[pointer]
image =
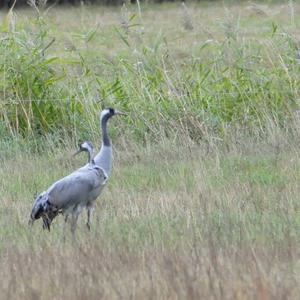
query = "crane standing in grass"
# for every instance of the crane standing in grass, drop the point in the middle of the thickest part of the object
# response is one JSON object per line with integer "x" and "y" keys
{"x": 81, "y": 188}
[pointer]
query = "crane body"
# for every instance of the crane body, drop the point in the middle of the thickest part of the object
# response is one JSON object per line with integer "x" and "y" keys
{"x": 81, "y": 188}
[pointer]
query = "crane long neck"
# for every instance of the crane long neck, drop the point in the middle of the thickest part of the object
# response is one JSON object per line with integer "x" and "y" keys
{"x": 104, "y": 157}
{"x": 105, "y": 137}
{"x": 90, "y": 157}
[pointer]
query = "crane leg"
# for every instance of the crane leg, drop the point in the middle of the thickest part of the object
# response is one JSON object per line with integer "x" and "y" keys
{"x": 75, "y": 214}
{"x": 88, "y": 223}
{"x": 74, "y": 223}
{"x": 64, "y": 227}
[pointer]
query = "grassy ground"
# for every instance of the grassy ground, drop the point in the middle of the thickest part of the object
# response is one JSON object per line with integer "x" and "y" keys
{"x": 175, "y": 221}
{"x": 193, "y": 210}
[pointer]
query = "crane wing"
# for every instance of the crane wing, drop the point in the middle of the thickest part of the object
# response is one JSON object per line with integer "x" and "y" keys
{"x": 77, "y": 187}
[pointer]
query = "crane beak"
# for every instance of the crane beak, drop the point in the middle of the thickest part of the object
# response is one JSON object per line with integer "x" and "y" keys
{"x": 117, "y": 112}
{"x": 77, "y": 152}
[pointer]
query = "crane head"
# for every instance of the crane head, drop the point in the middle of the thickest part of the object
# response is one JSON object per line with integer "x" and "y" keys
{"x": 85, "y": 146}
{"x": 109, "y": 112}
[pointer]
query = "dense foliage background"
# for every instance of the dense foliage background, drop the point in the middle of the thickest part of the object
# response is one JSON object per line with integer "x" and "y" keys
{"x": 195, "y": 79}
{"x": 8, "y": 3}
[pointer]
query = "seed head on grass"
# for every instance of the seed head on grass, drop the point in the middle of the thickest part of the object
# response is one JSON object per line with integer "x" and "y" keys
{"x": 186, "y": 18}
{"x": 124, "y": 19}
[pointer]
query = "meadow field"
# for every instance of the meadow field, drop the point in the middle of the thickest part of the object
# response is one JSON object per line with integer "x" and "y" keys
{"x": 203, "y": 202}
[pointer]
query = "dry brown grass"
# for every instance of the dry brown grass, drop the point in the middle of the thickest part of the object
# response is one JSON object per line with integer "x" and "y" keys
{"x": 175, "y": 222}
{"x": 95, "y": 270}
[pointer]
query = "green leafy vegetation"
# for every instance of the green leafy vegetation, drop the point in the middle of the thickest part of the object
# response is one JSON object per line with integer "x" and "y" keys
{"x": 53, "y": 79}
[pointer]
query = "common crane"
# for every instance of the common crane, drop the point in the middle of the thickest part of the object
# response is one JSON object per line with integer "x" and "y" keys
{"x": 88, "y": 147}
{"x": 81, "y": 188}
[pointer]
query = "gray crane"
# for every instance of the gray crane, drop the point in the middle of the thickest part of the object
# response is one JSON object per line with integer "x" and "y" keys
{"x": 88, "y": 147}
{"x": 81, "y": 188}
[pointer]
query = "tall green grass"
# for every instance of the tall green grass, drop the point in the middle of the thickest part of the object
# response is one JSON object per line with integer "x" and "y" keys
{"x": 228, "y": 80}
